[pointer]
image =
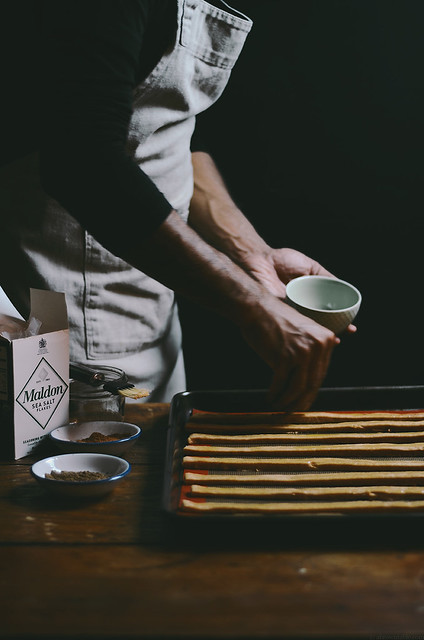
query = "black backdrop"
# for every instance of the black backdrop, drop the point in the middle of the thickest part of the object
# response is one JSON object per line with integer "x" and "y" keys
{"x": 319, "y": 137}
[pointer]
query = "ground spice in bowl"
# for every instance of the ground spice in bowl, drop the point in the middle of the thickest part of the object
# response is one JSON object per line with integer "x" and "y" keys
{"x": 76, "y": 476}
{"x": 96, "y": 436}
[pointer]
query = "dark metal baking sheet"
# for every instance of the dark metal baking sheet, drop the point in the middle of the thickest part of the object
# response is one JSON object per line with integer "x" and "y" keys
{"x": 329, "y": 399}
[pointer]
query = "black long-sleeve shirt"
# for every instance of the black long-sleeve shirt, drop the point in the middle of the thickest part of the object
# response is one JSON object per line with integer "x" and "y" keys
{"x": 71, "y": 68}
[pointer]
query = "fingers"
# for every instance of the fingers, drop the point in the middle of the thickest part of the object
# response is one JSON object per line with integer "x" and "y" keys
{"x": 297, "y": 349}
{"x": 296, "y": 389}
{"x": 286, "y": 387}
{"x": 319, "y": 270}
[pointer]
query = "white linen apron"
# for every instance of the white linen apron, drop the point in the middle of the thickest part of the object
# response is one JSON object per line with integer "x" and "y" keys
{"x": 118, "y": 315}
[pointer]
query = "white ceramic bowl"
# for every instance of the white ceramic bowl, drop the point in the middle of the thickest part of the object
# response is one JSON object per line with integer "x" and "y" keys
{"x": 114, "y": 468}
{"x": 331, "y": 302}
{"x": 67, "y": 438}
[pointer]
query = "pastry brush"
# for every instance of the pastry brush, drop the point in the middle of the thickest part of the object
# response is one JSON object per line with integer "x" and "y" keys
{"x": 121, "y": 386}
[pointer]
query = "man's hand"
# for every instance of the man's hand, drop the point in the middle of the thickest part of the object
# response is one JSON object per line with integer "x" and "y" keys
{"x": 297, "y": 349}
{"x": 277, "y": 267}
{"x": 289, "y": 264}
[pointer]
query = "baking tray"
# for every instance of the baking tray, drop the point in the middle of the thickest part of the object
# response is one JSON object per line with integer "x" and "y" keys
{"x": 399, "y": 398}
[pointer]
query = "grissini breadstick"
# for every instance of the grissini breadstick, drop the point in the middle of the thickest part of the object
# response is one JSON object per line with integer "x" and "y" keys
{"x": 298, "y": 438}
{"x": 275, "y": 417}
{"x": 371, "y": 492}
{"x": 304, "y": 463}
{"x": 300, "y": 464}
{"x": 347, "y": 426}
{"x": 291, "y": 508}
{"x": 368, "y": 449}
{"x": 348, "y": 478}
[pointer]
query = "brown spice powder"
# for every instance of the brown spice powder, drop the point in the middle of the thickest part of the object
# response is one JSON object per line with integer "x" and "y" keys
{"x": 96, "y": 436}
{"x": 76, "y": 476}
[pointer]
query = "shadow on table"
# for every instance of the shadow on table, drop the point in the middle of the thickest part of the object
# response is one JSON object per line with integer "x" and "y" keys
{"x": 324, "y": 533}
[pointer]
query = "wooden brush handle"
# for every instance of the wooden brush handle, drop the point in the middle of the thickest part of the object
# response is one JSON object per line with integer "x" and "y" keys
{"x": 82, "y": 373}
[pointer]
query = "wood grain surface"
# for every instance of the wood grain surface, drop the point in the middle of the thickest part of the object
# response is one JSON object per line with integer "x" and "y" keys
{"x": 119, "y": 567}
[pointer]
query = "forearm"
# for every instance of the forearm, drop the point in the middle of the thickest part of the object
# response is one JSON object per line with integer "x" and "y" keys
{"x": 296, "y": 348}
{"x": 216, "y": 217}
{"x": 179, "y": 258}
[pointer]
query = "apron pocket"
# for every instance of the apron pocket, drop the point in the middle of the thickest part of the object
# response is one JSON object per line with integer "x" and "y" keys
{"x": 213, "y": 35}
{"x": 124, "y": 310}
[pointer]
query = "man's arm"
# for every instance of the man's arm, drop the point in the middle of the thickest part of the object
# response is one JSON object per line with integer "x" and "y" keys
{"x": 297, "y": 349}
{"x": 216, "y": 217}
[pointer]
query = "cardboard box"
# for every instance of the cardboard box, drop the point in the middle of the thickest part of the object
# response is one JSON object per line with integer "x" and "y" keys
{"x": 34, "y": 371}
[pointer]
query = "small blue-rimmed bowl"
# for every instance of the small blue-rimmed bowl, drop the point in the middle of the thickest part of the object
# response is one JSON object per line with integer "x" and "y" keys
{"x": 68, "y": 438}
{"x": 66, "y": 474}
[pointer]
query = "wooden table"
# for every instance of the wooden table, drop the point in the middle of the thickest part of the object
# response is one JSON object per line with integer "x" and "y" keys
{"x": 120, "y": 568}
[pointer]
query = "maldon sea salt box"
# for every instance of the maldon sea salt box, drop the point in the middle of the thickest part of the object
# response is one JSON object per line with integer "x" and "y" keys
{"x": 34, "y": 371}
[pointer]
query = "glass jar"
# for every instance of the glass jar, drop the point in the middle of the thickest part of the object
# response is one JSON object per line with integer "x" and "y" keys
{"x": 88, "y": 402}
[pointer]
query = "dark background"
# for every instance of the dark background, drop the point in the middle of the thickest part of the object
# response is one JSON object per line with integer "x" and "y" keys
{"x": 319, "y": 137}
